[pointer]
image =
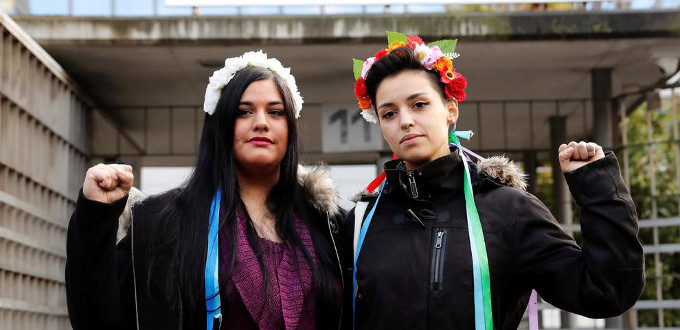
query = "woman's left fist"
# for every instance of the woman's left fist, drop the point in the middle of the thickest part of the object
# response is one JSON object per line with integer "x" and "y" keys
{"x": 575, "y": 155}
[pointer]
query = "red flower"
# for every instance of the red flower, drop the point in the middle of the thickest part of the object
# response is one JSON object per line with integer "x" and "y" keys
{"x": 360, "y": 88}
{"x": 360, "y": 93}
{"x": 380, "y": 54}
{"x": 456, "y": 89}
{"x": 447, "y": 76}
{"x": 460, "y": 96}
{"x": 414, "y": 40}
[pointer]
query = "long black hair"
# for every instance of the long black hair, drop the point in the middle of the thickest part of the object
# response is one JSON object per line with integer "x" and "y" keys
{"x": 182, "y": 234}
{"x": 400, "y": 59}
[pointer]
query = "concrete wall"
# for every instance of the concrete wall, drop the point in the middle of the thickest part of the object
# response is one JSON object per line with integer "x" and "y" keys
{"x": 43, "y": 143}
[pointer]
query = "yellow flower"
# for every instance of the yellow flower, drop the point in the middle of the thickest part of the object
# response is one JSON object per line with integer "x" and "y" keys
{"x": 395, "y": 45}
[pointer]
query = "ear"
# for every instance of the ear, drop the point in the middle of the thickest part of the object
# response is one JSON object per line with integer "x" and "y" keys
{"x": 452, "y": 108}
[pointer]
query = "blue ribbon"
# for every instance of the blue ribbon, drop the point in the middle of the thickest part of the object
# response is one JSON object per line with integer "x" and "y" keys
{"x": 360, "y": 242}
{"x": 212, "y": 285}
{"x": 464, "y": 134}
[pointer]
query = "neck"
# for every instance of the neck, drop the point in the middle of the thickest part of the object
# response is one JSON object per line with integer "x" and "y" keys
{"x": 255, "y": 184}
{"x": 440, "y": 152}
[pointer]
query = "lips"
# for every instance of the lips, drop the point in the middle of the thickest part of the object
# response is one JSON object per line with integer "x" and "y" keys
{"x": 261, "y": 141}
{"x": 409, "y": 137}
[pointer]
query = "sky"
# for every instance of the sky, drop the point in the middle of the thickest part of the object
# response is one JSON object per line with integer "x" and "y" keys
{"x": 146, "y": 8}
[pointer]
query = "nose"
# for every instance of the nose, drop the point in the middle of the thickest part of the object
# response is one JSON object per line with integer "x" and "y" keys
{"x": 261, "y": 124}
{"x": 406, "y": 120}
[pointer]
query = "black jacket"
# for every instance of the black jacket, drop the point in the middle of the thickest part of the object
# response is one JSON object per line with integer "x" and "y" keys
{"x": 406, "y": 282}
{"x": 106, "y": 283}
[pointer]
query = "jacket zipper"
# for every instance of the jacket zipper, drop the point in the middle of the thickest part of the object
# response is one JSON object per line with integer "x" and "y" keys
{"x": 134, "y": 273}
{"x": 412, "y": 183}
{"x": 438, "y": 259}
{"x": 337, "y": 255}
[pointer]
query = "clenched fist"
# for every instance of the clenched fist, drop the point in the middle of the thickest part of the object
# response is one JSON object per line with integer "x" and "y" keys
{"x": 575, "y": 155}
{"x": 108, "y": 183}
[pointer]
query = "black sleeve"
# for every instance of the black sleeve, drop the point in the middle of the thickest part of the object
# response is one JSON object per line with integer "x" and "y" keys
{"x": 605, "y": 276}
{"x": 347, "y": 261}
{"x": 98, "y": 272}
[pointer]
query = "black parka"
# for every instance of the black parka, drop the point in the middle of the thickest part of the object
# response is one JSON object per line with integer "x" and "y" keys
{"x": 420, "y": 277}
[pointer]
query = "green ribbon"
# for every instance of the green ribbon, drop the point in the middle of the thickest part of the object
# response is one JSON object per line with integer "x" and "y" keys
{"x": 480, "y": 260}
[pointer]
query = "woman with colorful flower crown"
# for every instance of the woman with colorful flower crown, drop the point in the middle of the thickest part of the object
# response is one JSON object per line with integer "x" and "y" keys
{"x": 444, "y": 243}
{"x": 246, "y": 243}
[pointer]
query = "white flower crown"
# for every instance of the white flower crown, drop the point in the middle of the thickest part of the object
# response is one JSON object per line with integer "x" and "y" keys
{"x": 221, "y": 78}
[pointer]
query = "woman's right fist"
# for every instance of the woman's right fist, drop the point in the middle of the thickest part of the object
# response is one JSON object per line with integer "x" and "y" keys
{"x": 108, "y": 183}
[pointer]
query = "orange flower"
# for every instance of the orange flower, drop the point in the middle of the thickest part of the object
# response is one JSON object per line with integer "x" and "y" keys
{"x": 365, "y": 103}
{"x": 395, "y": 45}
{"x": 443, "y": 64}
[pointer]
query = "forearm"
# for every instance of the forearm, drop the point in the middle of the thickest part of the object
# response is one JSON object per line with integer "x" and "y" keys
{"x": 606, "y": 275}
{"x": 608, "y": 216}
{"x": 93, "y": 293}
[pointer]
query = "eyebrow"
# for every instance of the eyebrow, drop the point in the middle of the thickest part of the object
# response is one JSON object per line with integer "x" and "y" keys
{"x": 251, "y": 103}
{"x": 413, "y": 96}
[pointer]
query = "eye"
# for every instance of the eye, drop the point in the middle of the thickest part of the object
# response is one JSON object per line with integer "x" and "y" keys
{"x": 276, "y": 112}
{"x": 388, "y": 114}
{"x": 243, "y": 112}
{"x": 420, "y": 104}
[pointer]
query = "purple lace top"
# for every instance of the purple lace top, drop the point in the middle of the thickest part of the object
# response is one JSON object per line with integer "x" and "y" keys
{"x": 287, "y": 302}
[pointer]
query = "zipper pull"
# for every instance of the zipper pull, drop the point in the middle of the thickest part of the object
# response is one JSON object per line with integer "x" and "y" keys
{"x": 440, "y": 238}
{"x": 414, "y": 218}
{"x": 414, "y": 187}
{"x": 219, "y": 321}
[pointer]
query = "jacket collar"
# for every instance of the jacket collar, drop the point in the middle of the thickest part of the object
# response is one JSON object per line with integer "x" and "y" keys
{"x": 440, "y": 177}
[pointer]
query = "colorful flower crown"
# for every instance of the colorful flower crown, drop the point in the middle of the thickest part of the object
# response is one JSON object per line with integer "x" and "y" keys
{"x": 221, "y": 78}
{"x": 435, "y": 56}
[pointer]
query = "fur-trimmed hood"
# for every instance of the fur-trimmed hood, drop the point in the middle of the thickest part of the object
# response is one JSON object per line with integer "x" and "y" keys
{"x": 499, "y": 169}
{"x": 319, "y": 189}
{"x": 504, "y": 171}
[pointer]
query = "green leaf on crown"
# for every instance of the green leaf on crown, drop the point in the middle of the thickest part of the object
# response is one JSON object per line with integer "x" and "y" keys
{"x": 358, "y": 66}
{"x": 395, "y": 36}
{"x": 446, "y": 45}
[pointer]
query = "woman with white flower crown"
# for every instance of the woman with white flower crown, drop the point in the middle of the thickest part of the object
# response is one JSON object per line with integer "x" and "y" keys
{"x": 443, "y": 243}
{"x": 248, "y": 242}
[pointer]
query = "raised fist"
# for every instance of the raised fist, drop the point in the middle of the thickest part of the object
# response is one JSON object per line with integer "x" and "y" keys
{"x": 575, "y": 155}
{"x": 108, "y": 183}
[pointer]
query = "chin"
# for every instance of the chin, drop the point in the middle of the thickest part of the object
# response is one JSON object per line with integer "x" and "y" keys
{"x": 415, "y": 157}
{"x": 260, "y": 160}
{"x": 259, "y": 164}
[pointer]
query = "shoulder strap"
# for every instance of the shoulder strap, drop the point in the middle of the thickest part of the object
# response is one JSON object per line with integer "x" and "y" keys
{"x": 359, "y": 212}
